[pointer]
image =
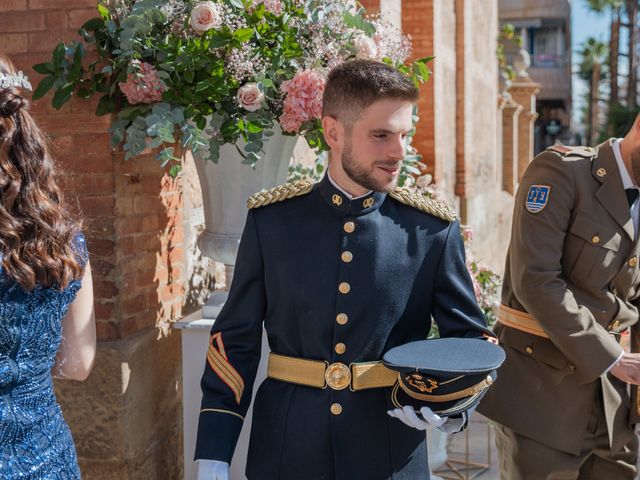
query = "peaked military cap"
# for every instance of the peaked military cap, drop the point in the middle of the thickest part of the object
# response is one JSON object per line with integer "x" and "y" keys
{"x": 448, "y": 375}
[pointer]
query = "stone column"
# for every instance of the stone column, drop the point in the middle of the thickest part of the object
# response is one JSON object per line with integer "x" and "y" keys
{"x": 510, "y": 119}
{"x": 523, "y": 91}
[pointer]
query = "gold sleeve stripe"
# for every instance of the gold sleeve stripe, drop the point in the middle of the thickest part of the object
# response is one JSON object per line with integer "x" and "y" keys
{"x": 219, "y": 410}
{"x": 219, "y": 363}
{"x": 221, "y": 355}
{"x": 225, "y": 376}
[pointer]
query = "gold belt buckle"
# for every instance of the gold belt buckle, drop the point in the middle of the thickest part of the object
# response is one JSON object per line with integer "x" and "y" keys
{"x": 338, "y": 376}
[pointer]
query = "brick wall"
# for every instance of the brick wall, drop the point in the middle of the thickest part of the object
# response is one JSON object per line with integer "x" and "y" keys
{"x": 134, "y": 228}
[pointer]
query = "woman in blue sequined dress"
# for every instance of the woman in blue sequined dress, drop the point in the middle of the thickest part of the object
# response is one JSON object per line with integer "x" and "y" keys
{"x": 46, "y": 298}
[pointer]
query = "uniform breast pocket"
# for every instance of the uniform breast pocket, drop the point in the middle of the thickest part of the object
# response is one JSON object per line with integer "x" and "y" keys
{"x": 591, "y": 249}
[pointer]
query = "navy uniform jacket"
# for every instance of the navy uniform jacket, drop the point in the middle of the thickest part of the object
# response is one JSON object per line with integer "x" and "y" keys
{"x": 405, "y": 267}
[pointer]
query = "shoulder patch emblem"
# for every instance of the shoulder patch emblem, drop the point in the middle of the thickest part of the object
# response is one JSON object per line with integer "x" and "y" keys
{"x": 537, "y": 198}
{"x": 279, "y": 194}
{"x": 424, "y": 203}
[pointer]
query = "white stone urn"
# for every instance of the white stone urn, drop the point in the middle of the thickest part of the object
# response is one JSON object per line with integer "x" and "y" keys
{"x": 225, "y": 189}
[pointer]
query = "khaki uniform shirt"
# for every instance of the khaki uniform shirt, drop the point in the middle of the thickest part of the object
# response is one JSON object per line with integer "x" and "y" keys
{"x": 573, "y": 265}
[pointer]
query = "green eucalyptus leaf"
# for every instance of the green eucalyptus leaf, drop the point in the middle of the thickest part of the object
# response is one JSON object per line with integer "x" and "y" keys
{"x": 44, "y": 68}
{"x": 106, "y": 105}
{"x": 58, "y": 55}
{"x": 44, "y": 86}
{"x": 62, "y": 95}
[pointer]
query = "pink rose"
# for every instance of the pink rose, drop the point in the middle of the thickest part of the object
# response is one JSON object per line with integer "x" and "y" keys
{"x": 144, "y": 86}
{"x": 205, "y": 16}
{"x": 250, "y": 97}
{"x": 303, "y": 101}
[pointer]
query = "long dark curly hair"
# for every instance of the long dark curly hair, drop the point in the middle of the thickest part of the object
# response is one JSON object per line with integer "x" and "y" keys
{"x": 37, "y": 231}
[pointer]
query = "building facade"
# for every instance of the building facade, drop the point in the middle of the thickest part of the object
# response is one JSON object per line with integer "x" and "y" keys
{"x": 545, "y": 29}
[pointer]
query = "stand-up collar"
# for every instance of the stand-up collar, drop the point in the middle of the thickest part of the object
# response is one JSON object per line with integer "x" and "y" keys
{"x": 340, "y": 202}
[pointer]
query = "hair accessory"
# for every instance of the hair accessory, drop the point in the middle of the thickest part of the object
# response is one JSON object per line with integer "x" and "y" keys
{"x": 14, "y": 80}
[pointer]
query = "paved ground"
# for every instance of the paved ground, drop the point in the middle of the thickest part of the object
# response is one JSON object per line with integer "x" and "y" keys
{"x": 475, "y": 447}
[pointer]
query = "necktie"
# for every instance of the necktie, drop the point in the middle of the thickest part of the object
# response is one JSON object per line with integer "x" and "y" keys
{"x": 632, "y": 195}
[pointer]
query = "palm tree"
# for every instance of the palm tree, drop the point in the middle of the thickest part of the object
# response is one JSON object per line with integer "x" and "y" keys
{"x": 594, "y": 55}
{"x": 615, "y": 6}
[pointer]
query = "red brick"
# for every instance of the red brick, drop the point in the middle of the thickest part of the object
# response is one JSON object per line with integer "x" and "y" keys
{"x": 108, "y": 330}
{"x": 74, "y": 123}
{"x": 171, "y": 201}
{"x": 124, "y": 206}
{"x": 12, "y": 5}
{"x": 176, "y": 255}
{"x": 56, "y": 20}
{"x": 13, "y": 43}
{"x": 60, "y": 4}
{"x": 86, "y": 163}
{"x": 138, "y": 281}
{"x": 94, "y": 184}
{"x": 139, "y": 262}
{"x": 103, "y": 289}
{"x": 100, "y": 226}
{"x": 142, "y": 321}
{"x": 93, "y": 144}
{"x": 146, "y": 223}
{"x": 87, "y": 105}
{"x": 161, "y": 275}
{"x": 139, "y": 303}
{"x": 139, "y": 243}
{"x": 77, "y": 18}
{"x": 100, "y": 247}
{"x": 61, "y": 145}
{"x": 98, "y": 205}
{"x": 135, "y": 183}
{"x": 147, "y": 204}
{"x": 104, "y": 310}
{"x": 21, "y": 22}
{"x": 171, "y": 292}
{"x": 102, "y": 268}
{"x": 46, "y": 41}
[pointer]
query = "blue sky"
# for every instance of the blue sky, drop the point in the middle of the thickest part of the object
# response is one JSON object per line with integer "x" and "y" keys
{"x": 585, "y": 24}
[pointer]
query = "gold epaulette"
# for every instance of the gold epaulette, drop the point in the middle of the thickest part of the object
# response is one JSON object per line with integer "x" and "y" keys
{"x": 423, "y": 202}
{"x": 280, "y": 193}
{"x": 584, "y": 152}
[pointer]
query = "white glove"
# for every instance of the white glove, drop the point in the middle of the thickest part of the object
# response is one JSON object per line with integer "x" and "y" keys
{"x": 408, "y": 416}
{"x": 212, "y": 470}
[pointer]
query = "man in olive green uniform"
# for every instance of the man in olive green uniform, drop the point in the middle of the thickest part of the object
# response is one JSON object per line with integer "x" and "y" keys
{"x": 570, "y": 295}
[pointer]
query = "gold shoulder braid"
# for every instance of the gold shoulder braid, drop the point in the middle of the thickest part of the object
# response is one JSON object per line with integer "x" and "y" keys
{"x": 424, "y": 203}
{"x": 280, "y": 193}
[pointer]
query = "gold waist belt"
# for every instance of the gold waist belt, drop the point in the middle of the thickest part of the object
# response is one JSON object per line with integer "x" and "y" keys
{"x": 520, "y": 320}
{"x": 338, "y": 376}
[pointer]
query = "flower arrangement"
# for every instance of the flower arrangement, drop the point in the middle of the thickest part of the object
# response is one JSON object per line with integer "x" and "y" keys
{"x": 207, "y": 73}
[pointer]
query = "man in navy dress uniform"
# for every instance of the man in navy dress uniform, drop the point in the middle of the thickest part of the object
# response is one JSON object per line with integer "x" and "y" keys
{"x": 338, "y": 273}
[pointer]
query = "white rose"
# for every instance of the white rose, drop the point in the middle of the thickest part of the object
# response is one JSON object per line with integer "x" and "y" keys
{"x": 205, "y": 16}
{"x": 366, "y": 47}
{"x": 250, "y": 97}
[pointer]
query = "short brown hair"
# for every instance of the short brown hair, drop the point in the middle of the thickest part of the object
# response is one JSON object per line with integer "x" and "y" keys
{"x": 355, "y": 85}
